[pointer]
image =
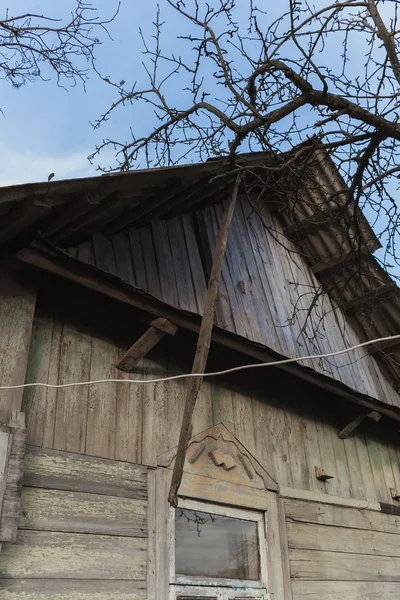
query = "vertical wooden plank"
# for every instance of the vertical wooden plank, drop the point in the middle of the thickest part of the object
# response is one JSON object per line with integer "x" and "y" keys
{"x": 86, "y": 253}
{"x": 164, "y": 260}
{"x": 163, "y": 479}
{"x": 34, "y": 399}
{"x": 356, "y": 484}
{"x": 150, "y": 262}
{"x": 327, "y": 456}
{"x": 203, "y": 412}
{"x": 263, "y": 442}
{"x": 72, "y": 403}
{"x": 244, "y": 318}
{"x": 225, "y": 306}
{"x": 274, "y": 556}
{"x": 17, "y": 306}
{"x": 129, "y": 415}
{"x": 243, "y": 418}
{"x": 313, "y": 454}
{"x": 376, "y": 457}
{"x": 287, "y": 584}
{"x": 11, "y": 509}
{"x": 222, "y": 402}
{"x": 152, "y": 535}
{"x": 123, "y": 258}
{"x": 104, "y": 253}
{"x": 280, "y": 445}
{"x": 297, "y": 448}
{"x": 193, "y": 253}
{"x": 155, "y": 413}
{"x": 183, "y": 274}
{"x": 100, "y": 426}
{"x": 394, "y": 452}
{"x": 39, "y": 404}
{"x": 342, "y": 467}
{"x": 366, "y": 471}
{"x": 137, "y": 259}
{"x": 51, "y": 394}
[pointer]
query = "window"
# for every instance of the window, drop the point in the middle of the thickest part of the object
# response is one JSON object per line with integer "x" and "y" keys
{"x": 217, "y": 553}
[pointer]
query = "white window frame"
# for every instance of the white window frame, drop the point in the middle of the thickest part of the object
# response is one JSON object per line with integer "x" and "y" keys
{"x": 219, "y": 593}
{"x": 221, "y": 588}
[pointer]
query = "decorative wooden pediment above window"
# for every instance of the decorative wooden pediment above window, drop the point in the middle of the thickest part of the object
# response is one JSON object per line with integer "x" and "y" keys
{"x": 219, "y": 468}
{"x": 226, "y": 539}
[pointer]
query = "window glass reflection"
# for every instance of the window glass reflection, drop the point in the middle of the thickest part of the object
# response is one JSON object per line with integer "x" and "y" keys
{"x": 213, "y": 546}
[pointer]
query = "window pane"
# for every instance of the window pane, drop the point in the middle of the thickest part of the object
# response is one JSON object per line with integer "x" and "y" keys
{"x": 209, "y": 545}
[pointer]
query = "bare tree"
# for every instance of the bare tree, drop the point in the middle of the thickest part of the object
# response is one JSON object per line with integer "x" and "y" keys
{"x": 325, "y": 77}
{"x": 37, "y": 46}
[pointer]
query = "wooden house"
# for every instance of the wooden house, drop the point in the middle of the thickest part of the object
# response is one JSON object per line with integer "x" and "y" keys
{"x": 291, "y": 478}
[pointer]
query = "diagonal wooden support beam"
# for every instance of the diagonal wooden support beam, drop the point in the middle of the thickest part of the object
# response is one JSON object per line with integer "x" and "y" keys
{"x": 158, "y": 329}
{"x": 203, "y": 345}
{"x": 346, "y": 431}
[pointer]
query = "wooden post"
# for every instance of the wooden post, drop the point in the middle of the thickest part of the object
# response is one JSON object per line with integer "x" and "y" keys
{"x": 203, "y": 345}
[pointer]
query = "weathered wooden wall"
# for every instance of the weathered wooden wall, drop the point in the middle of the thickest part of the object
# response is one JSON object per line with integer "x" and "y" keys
{"x": 267, "y": 292}
{"x": 342, "y": 553}
{"x": 17, "y": 306}
{"x": 288, "y": 426}
{"x": 83, "y": 531}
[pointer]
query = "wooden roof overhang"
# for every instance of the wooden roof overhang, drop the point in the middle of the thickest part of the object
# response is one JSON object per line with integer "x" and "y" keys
{"x": 59, "y": 214}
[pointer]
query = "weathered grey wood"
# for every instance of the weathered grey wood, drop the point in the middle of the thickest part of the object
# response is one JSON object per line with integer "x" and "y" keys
{"x": 285, "y": 562}
{"x": 200, "y": 360}
{"x": 72, "y": 403}
{"x": 122, "y": 252}
{"x": 181, "y": 265}
{"x": 161, "y": 542}
{"x": 369, "y": 389}
{"x": 150, "y": 262}
{"x": 152, "y": 539}
{"x": 342, "y": 539}
{"x": 159, "y": 328}
{"x": 5, "y": 447}
{"x": 345, "y": 590}
{"x": 17, "y": 306}
{"x": 357, "y": 518}
{"x": 77, "y": 512}
{"x": 10, "y": 512}
{"x": 101, "y": 415}
{"x": 65, "y": 589}
{"x": 50, "y": 554}
{"x": 39, "y": 404}
{"x": 67, "y": 471}
{"x": 338, "y": 566}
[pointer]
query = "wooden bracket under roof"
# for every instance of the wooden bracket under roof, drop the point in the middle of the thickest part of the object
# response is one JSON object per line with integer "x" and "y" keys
{"x": 346, "y": 431}
{"x": 158, "y": 329}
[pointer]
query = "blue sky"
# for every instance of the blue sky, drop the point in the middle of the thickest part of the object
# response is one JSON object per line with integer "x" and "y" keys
{"x": 47, "y": 129}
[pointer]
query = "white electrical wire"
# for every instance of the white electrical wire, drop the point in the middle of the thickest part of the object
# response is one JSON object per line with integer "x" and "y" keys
{"x": 213, "y": 374}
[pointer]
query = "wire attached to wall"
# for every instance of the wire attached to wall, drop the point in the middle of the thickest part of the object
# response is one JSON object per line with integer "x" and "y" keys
{"x": 275, "y": 363}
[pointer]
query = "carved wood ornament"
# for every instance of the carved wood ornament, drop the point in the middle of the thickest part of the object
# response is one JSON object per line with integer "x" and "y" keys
{"x": 217, "y": 453}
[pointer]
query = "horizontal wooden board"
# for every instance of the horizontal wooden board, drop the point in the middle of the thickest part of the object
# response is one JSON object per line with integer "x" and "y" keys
{"x": 342, "y": 539}
{"x": 200, "y": 487}
{"x": 59, "y": 510}
{"x": 338, "y": 566}
{"x": 313, "y": 512}
{"x": 59, "y": 589}
{"x": 77, "y": 472}
{"x": 345, "y": 590}
{"x": 49, "y": 554}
